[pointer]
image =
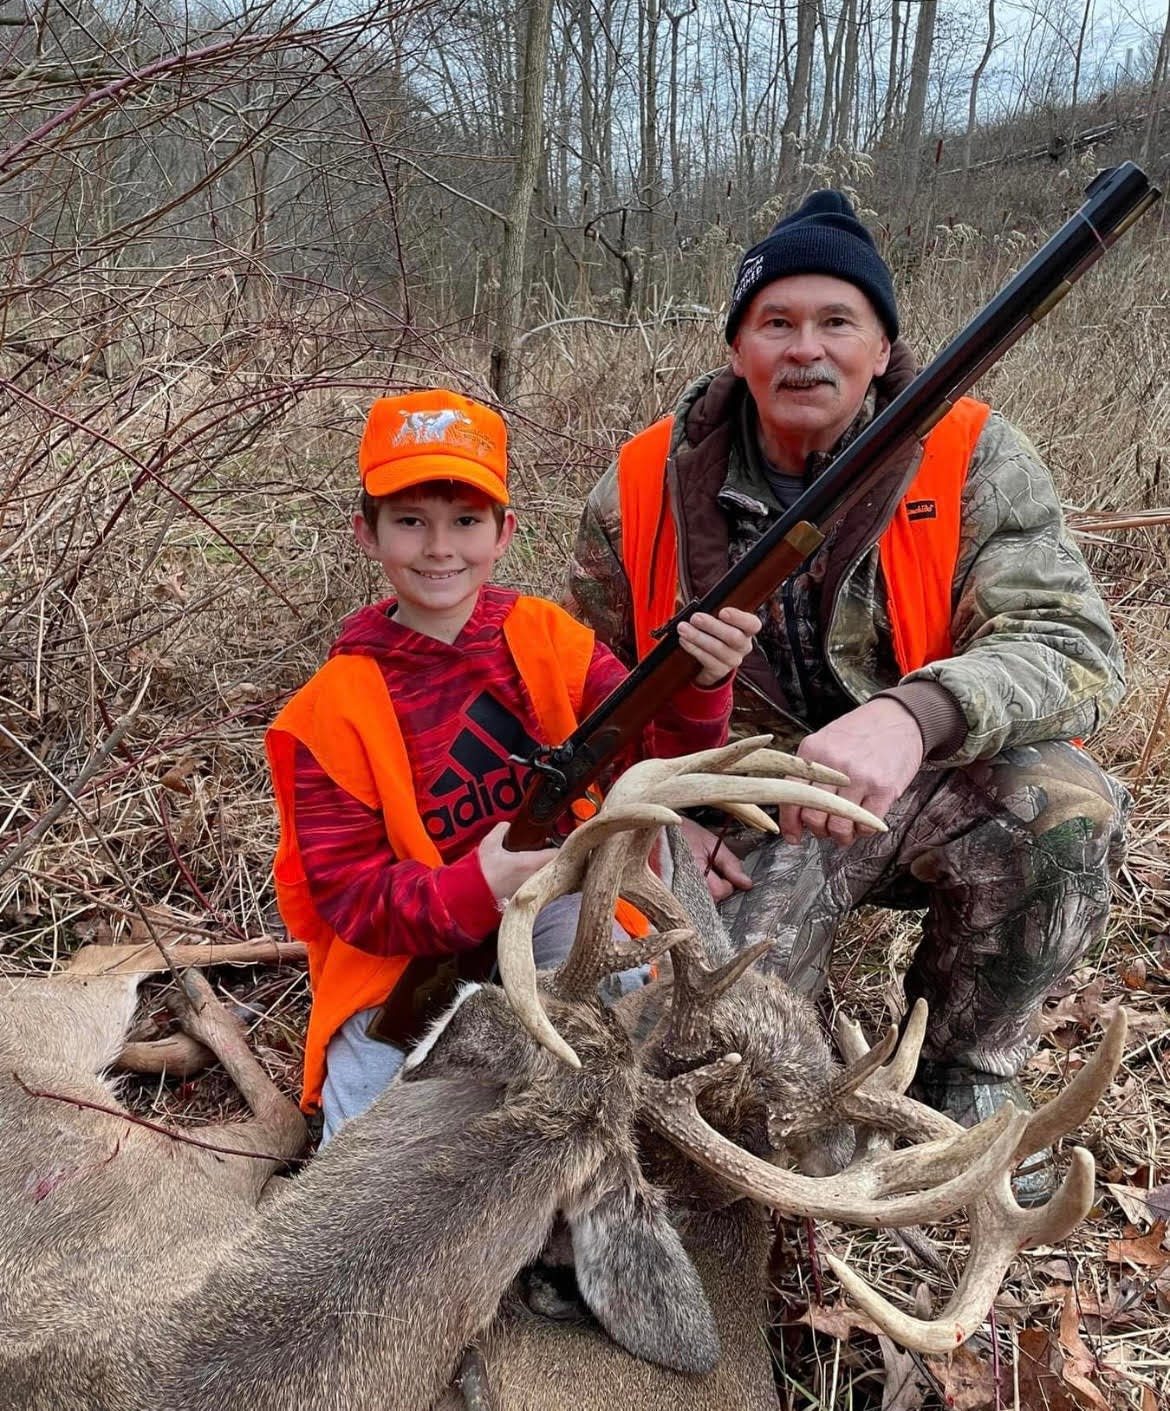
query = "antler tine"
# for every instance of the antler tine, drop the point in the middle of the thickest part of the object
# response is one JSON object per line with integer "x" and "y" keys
{"x": 1070, "y": 1107}
{"x": 645, "y": 774}
{"x": 871, "y": 1195}
{"x": 999, "y": 1229}
{"x": 654, "y": 899}
{"x": 778, "y": 765}
{"x": 825, "y": 1111}
{"x": 561, "y": 876}
{"x": 594, "y": 954}
{"x": 692, "y": 790}
{"x": 696, "y": 989}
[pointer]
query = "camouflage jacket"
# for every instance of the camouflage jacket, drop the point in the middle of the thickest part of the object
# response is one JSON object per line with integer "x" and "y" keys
{"x": 1035, "y": 656}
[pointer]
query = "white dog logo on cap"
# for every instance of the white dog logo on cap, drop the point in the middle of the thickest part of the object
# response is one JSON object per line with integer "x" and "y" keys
{"x": 423, "y": 427}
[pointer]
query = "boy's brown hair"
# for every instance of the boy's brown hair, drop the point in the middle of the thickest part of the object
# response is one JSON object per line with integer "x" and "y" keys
{"x": 449, "y": 491}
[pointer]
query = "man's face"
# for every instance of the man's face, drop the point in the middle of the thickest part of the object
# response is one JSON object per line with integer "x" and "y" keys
{"x": 808, "y": 348}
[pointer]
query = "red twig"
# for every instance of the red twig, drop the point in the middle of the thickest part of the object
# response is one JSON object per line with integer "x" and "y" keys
{"x": 714, "y": 853}
{"x": 152, "y": 1126}
{"x": 814, "y": 1263}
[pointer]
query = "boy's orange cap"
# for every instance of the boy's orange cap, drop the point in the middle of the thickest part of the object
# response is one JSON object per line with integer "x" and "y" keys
{"x": 433, "y": 435}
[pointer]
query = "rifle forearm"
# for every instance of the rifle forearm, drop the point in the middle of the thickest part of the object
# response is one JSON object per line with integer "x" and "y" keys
{"x": 621, "y": 718}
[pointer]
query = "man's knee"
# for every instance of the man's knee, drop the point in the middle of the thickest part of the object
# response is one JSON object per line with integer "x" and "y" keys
{"x": 1055, "y": 793}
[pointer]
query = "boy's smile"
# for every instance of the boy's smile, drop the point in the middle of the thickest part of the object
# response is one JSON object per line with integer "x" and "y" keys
{"x": 437, "y": 554}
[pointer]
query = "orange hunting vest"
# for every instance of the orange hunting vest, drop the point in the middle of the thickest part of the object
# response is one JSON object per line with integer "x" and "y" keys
{"x": 344, "y": 716}
{"x": 918, "y": 548}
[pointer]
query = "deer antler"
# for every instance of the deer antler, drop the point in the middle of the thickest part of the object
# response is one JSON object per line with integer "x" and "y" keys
{"x": 869, "y": 1190}
{"x": 1000, "y": 1228}
{"x": 608, "y": 857}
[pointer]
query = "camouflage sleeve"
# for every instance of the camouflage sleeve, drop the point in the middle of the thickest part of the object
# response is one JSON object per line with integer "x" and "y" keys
{"x": 597, "y": 591}
{"x": 1036, "y": 657}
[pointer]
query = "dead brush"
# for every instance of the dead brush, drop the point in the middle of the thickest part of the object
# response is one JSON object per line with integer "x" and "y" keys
{"x": 177, "y": 479}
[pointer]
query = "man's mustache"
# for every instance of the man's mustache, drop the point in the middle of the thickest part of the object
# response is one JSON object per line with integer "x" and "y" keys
{"x": 808, "y": 377}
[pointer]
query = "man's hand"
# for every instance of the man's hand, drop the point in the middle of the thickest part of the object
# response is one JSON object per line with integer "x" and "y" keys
{"x": 504, "y": 871}
{"x": 723, "y": 871}
{"x": 879, "y": 746}
{"x": 718, "y": 644}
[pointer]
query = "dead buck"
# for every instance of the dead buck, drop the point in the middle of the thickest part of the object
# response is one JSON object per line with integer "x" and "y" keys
{"x": 139, "y": 1272}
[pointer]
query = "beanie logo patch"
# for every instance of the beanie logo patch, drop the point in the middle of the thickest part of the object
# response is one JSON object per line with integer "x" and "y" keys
{"x": 921, "y": 509}
{"x": 748, "y": 274}
{"x": 424, "y": 428}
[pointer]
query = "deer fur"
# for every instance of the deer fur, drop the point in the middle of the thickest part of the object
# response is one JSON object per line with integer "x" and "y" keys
{"x": 536, "y": 1363}
{"x": 139, "y": 1273}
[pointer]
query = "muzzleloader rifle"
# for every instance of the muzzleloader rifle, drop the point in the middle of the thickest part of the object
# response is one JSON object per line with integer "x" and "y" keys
{"x": 564, "y": 772}
{"x": 1114, "y": 201}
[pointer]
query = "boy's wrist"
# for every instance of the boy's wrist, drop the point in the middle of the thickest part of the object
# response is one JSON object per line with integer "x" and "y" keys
{"x": 467, "y": 897}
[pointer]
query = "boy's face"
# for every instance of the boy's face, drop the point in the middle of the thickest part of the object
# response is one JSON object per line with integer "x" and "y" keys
{"x": 437, "y": 554}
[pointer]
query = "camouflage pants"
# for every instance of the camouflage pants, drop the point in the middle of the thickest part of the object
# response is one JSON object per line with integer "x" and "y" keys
{"x": 1010, "y": 857}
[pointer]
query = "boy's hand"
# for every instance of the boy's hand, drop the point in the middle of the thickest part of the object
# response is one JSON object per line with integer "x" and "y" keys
{"x": 720, "y": 643}
{"x": 504, "y": 871}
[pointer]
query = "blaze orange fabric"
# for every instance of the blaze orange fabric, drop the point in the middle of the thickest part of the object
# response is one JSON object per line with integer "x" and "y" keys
{"x": 345, "y": 717}
{"x": 649, "y": 541}
{"x": 918, "y": 553}
{"x": 918, "y": 548}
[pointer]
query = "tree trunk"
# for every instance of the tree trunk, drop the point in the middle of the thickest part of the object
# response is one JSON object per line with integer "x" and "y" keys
{"x": 843, "y": 125}
{"x": 916, "y": 101}
{"x": 520, "y": 202}
{"x": 1158, "y": 90}
{"x": 790, "y": 145}
{"x": 973, "y": 99}
{"x": 893, "y": 75}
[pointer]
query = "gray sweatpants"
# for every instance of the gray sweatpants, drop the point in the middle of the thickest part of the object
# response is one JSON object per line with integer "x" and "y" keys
{"x": 358, "y": 1068}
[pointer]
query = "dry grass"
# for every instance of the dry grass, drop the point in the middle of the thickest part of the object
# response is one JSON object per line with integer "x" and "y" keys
{"x": 174, "y": 544}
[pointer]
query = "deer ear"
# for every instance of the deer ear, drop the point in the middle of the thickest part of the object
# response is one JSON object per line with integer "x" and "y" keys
{"x": 639, "y": 1282}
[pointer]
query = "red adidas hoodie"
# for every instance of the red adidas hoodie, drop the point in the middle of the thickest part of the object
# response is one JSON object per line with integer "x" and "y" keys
{"x": 463, "y": 711}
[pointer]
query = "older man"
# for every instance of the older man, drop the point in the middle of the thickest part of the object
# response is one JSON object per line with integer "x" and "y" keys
{"x": 945, "y": 647}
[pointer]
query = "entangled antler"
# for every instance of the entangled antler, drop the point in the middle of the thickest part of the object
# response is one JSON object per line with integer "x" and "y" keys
{"x": 999, "y": 1226}
{"x": 948, "y": 1168}
{"x": 607, "y": 858}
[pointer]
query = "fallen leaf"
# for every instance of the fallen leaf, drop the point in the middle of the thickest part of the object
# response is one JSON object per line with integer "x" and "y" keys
{"x": 1146, "y": 1250}
{"x": 1132, "y": 973}
{"x": 1134, "y": 1203}
{"x": 1158, "y": 1200}
{"x": 1040, "y": 1386}
{"x": 905, "y": 1387}
{"x": 837, "y": 1322}
{"x": 177, "y": 775}
{"x": 968, "y": 1381}
{"x": 1079, "y": 1363}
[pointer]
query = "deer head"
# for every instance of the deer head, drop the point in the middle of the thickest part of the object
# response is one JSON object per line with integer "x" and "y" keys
{"x": 945, "y": 1169}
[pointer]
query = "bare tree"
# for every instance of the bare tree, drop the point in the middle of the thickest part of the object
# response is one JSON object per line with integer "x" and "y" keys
{"x": 1158, "y": 90}
{"x": 973, "y": 97}
{"x": 512, "y": 260}
{"x": 807, "y": 13}
{"x": 911, "y": 139}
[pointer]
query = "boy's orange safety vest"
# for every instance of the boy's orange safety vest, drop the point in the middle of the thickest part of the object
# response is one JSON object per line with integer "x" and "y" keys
{"x": 345, "y": 718}
{"x": 918, "y": 548}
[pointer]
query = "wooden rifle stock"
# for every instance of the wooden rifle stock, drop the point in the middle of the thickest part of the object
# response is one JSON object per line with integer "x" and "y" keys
{"x": 564, "y": 772}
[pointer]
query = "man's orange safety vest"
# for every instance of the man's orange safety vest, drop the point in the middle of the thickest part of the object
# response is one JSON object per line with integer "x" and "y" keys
{"x": 918, "y": 548}
{"x": 345, "y": 718}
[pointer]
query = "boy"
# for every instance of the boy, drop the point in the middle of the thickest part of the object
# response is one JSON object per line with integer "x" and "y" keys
{"x": 395, "y": 767}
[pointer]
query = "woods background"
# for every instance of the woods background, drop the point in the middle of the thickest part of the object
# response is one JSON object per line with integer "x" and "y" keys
{"x": 224, "y": 230}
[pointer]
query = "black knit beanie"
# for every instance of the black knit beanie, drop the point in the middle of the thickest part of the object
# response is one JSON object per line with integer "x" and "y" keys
{"x": 823, "y": 237}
